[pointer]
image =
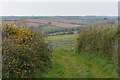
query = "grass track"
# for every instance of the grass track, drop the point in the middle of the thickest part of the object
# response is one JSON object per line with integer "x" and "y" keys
{"x": 66, "y": 63}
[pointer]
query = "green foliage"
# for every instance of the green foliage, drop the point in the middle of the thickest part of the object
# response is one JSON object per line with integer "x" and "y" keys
{"x": 24, "y": 53}
{"x": 97, "y": 40}
{"x": 101, "y": 40}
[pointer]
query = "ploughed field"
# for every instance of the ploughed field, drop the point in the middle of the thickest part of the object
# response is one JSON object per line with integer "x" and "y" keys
{"x": 54, "y": 21}
{"x": 45, "y": 21}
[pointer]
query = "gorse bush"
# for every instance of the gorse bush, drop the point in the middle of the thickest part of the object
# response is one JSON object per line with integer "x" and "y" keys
{"x": 24, "y": 52}
{"x": 19, "y": 35}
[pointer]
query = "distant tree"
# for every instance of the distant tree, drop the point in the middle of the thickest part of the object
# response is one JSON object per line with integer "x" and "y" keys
{"x": 66, "y": 29}
{"x": 72, "y": 29}
{"x": 49, "y": 23}
{"x": 105, "y": 18}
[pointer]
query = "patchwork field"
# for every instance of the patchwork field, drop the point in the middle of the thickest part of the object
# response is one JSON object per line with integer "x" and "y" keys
{"x": 44, "y": 21}
{"x": 56, "y": 24}
{"x": 57, "y": 21}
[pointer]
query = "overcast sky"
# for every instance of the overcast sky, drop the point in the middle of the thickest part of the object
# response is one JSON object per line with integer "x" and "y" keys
{"x": 59, "y": 8}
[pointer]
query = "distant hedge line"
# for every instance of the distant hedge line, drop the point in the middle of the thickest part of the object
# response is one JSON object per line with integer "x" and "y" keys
{"x": 24, "y": 52}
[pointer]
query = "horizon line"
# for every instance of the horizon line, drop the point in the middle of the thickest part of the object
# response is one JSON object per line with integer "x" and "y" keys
{"x": 57, "y": 15}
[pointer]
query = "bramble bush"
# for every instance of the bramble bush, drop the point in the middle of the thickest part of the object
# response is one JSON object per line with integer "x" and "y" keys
{"x": 24, "y": 52}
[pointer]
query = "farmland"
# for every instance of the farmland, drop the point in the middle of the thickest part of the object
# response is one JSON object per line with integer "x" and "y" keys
{"x": 61, "y": 24}
{"x": 64, "y": 47}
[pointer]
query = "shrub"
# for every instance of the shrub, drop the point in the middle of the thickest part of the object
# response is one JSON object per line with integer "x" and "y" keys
{"x": 102, "y": 40}
{"x": 97, "y": 39}
{"x": 24, "y": 52}
{"x": 11, "y": 31}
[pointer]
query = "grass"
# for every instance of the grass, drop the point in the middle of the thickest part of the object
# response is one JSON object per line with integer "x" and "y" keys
{"x": 66, "y": 63}
{"x": 63, "y": 42}
{"x": 50, "y": 28}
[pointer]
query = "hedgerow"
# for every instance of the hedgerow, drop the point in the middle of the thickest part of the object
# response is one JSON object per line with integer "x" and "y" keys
{"x": 98, "y": 39}
{"x": 24, "y": 52}
{"x": 101, "y": 40}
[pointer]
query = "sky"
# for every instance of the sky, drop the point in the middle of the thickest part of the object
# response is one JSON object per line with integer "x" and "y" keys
{"x": 59, "y": 8}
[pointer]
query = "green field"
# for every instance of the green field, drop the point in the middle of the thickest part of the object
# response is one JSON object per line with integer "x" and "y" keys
{"x": 50, "y": 28}
{"x": 55, "y": 29}
{"x": 67, "y": 63}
